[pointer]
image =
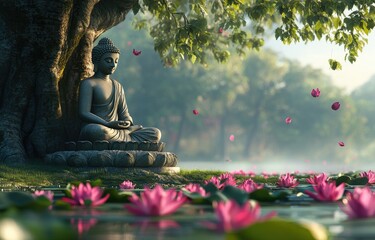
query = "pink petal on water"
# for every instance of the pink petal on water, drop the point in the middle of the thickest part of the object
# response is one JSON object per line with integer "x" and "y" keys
{"x": 195, "y": 112}
{"x": 341, "y": 144}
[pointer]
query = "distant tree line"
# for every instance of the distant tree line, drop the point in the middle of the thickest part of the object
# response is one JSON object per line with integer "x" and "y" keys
{"x": 248, "y": 97}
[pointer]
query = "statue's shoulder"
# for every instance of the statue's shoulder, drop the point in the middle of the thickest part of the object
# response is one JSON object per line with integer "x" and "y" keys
{"x": 87, "y": 81}
{"x": 116, "y": 82}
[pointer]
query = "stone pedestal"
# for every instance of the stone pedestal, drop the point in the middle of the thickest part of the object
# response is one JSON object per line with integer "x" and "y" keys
{"x": 148, "y": 156}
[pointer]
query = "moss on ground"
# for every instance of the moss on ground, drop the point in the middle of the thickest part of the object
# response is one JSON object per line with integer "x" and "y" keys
{"x": 41, "y": 175}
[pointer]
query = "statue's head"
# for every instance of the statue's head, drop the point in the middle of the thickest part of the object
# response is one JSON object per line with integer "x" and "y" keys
{"x": 104, "y": 46}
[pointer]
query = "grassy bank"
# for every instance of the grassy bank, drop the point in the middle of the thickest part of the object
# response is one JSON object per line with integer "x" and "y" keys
{"x": 40, "y": 175}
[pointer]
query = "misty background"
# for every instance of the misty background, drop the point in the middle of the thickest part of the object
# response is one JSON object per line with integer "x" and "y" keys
{"x": 248, "y": 97}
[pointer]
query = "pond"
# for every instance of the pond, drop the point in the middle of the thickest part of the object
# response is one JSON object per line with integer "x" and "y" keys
{"x": 113, "y": 222}
{"x": 191, "y": 221}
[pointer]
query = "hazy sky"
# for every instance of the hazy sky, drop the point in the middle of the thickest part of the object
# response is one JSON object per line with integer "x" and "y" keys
{"x": 317, "y": 54}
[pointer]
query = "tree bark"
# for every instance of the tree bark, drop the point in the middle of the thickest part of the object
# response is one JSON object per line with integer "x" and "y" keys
{"x": 46, "y": 51}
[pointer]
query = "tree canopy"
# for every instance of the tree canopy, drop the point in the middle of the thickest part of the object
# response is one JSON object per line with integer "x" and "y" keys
{"x": 192, "y": 29}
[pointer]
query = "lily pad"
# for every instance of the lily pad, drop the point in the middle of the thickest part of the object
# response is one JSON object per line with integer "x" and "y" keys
{"x": 281, "y": 229}
{"x": 264, "y": 195}
{"x": 359, "y": 181}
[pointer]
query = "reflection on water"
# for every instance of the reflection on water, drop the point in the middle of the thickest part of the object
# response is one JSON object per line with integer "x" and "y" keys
{"x": 187, "y": 223}
{"x": 275, "y": 166}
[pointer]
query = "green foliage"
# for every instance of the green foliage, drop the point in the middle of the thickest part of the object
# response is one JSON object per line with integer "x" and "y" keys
{"x": 265, "y": 195}
{"x": 192, "y": 29}
{"x": 351, "y": 181}
{"x": 249, "y": 96}
{"x": 116, "y": 196}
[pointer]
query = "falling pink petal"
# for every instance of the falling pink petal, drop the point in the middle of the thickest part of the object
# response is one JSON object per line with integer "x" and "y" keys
{"x": 341, "y": 144}
{"x": 136, "y": 52}
{"x": 221, "y": 30}
{"x": 129, "y": 43}
{"x": 195, "y": 112}
{"x": 335, "y": 106}
{"x": 231, "y": 138}
{"x": 315, "y": 92}
{"x": 288, "y": 120}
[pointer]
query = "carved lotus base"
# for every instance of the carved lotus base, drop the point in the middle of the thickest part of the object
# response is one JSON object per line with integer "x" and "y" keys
{"x": 113, "y": 158}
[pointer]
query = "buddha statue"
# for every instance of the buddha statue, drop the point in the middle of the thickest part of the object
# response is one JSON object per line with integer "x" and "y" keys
{"x": 102, "y": 103}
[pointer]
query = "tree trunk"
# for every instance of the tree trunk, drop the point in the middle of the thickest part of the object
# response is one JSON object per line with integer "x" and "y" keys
{"x": 181, "y": 126}
{"x": 45, "y": 51}
{"x": 221, "y": 150}
{"x": 252, "y": 132}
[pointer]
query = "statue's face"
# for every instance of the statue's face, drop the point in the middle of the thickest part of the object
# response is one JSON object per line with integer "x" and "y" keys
{"x": 108, "y": 63}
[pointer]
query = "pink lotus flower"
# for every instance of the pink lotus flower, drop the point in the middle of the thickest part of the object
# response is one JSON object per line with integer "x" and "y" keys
{"x": 136, "y": 52}
{"x": 250, "y": 186}
{"x": 231, "y": 138}
{"x": 327, "y": 192}
{"x": 127, "y": 185}
{"x": 335, "y": 106}
{"x": 156, "y": 202}
{"x": 222, "y": 181}
{"x": 287, "y": 181}
{"x": 233, "y": 216}
{"x": 341, "y": 144}
{"x": 288, "y": 120}
{"x": 317, "y": 179}
{"x": 370, "y": 175}
{"x": 315, "y": 92}
{"x": 85, "y": 195}
{"x": 196, "y": 188}
{"x": 47, "y": 194}
{"x": 195, "y": 112}
{"x": 359, "y": 204}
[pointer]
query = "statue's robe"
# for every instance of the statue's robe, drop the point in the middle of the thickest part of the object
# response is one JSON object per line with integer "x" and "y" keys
{"x": 116, "y": 109}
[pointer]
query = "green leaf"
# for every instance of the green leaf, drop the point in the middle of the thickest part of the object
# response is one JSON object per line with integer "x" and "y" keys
{"x": 116, "y": 196}
{"x": 281, "y": 229}
{"x": 335, "y": 65}
{"x": 41, "y": 203}
{"x": 359, "y": 181}
{"x": 61, "y": 205}
{"x": 342, "y": 179}
{"x": 264, "y": 195}
{"x": 20, "y": 199}
{"x": 192, "y": 58}
{"x": 236, "y": 194}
